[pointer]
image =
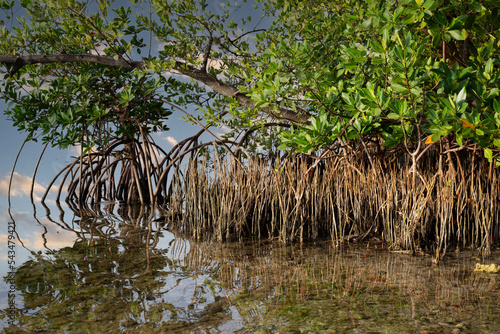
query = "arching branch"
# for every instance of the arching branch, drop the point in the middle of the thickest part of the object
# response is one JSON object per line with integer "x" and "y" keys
{"x": 199, "y": 75}
{"x": 20, "y": 61}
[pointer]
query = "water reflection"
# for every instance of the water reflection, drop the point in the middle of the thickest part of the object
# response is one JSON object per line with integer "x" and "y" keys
{"x": 124, "y": 272}
{"x": 127, "y": 271}
{"x": 360, "y": 289}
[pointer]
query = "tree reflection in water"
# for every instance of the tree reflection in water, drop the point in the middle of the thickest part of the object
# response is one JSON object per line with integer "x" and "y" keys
{"x": 128, "y": 272}
{"x": 116, "y": 278}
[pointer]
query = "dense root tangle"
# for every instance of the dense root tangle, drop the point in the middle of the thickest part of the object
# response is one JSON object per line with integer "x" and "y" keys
{"x": 129, "y": 171}
{"x": 344, "y": 200}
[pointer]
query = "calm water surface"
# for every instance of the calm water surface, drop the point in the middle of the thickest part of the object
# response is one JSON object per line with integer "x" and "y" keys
{"x": 124, "y": 270}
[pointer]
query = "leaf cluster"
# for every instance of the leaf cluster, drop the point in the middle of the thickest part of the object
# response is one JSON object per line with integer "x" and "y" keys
{"x": 402, "y": 72}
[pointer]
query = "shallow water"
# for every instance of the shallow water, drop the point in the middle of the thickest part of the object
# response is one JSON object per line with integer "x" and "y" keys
{"x": 125, "y": 271}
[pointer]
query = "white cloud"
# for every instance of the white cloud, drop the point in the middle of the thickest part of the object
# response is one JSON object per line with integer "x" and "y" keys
{"x": 55, "y": 238}
{"x": 21, "y": 185}
{"x": 4, "y": 239}
{"x": 99, "y": 50}
{"x": 37, "y": 235}
{"x": 161, "y": 46}
{"x": 215, "y": 63}
{"x": 225, "y": 129}
{"x": 159, "y": 156}
{"x": 77, "y": 149}
{"x": 171, "y": 140}
{"x": 222, "y": 130}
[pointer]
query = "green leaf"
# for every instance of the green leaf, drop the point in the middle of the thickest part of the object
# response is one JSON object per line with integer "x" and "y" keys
{"x": 397, "y": 13}
{"x": 496, "y": 105}
{"x": 448, "y": 103}
{"x": 462, "y": 96}
{"x": 435, "y": 137}
{"x": 283, "y": 146}
{"x": 488, "y": 154}
{"x": 441, "y": 19}
{"x": 393, "y": 116}
{"x": 377, "y": 47}
{"x": 397, "y": 88}
{"x": 300, "y": 140}
{"x": 456, "y": 34}
{"x": 496, "y": 142}
{"x": 489, "y": 66}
